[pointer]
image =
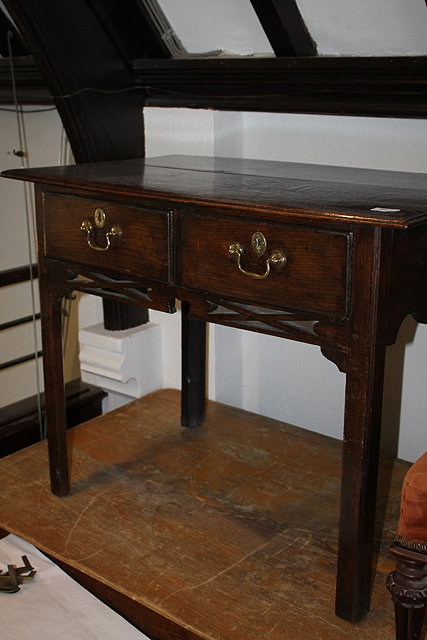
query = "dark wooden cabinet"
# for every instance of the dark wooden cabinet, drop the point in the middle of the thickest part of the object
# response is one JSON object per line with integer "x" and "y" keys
{"x": 328, "y": 256}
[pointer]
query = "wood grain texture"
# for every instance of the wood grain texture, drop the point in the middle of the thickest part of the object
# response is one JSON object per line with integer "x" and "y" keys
{"x": 226, "y": 531}
{"x": 286, "y": 190}
{"x": 315, "y": 277}
{"x": 337, "y": 225}
{"x": 143, "y": 249}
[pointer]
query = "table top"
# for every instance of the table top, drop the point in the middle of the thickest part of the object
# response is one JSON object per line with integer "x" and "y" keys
{"x": 364, "y": 196}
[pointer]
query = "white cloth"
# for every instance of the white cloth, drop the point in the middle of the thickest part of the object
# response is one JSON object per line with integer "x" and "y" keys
{"x": 53, "y": 606}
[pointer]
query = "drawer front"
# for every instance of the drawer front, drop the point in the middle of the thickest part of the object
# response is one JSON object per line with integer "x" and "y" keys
{"x": 138, "y": 238}
{"x": 315, "y": 276}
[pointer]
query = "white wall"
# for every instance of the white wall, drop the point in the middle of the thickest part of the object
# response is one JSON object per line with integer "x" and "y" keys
{"x": 366, "y": 27}
{"x": 42, "y": 133}
{"x": 271, "y": 376}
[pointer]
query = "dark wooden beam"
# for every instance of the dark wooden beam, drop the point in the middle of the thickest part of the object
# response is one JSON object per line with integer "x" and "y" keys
{"x": 160, "y": 25}
{"x": 9, "y": 35}
{"x": 371, "y": 86}
{"x": 284, "y": 27}
{"x": 31, "y": 87}
{"x": 87, "y": 73}
{"x": 131, "y": 27}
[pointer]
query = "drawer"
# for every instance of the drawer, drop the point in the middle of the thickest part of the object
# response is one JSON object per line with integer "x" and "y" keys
{"x": 315, "y": 276}
{"x": 140, "y": 246}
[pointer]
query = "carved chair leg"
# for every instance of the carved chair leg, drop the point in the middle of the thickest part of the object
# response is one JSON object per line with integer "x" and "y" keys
{"x": 408, "y": 588}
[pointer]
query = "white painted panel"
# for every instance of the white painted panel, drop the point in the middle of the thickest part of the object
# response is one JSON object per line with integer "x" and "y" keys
{"x": 367, "y": 27}
{"x": 178, "y": 131}
{"x": 19, "y": 341}
{"x": 376, "y": 143}
{"x": 203, "y": 25}
{"x": 42, "y": 132}
{"x": 16, "y": 301}
{"x": 19, "y": 382}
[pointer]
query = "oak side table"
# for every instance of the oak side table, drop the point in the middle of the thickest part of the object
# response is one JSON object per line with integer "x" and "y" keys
{"x": 330, "y": 256}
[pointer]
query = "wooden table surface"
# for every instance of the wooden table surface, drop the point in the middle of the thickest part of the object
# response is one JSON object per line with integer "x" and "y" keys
{"x": 225, "y": 531}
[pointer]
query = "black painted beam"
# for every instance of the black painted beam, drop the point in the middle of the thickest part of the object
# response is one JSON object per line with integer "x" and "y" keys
{"x": 131, "y": 27}
{"x": 285, "y": 28}
{"x": 19, "y": 321}
{"x": 374, "y": 86}
{"x": 87, "y": 73}
{"x": 8, "y": 33}
{"x": 31, "y": 87}
{"x": 160, "y": 25}
{"x": 18, "y": 274}
{"x": 21, "y": 360}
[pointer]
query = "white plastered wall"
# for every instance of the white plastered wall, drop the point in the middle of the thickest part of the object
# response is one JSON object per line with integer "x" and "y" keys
{"x": 42, "y": 133}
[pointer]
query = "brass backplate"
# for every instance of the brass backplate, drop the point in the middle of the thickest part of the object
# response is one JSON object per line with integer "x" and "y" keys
{"x": 259, "y": 243}
{"x": 99, "y": 217}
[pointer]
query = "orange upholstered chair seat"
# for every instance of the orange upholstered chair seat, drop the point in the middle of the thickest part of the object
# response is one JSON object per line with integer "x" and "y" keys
{"x": 412, "y": 528}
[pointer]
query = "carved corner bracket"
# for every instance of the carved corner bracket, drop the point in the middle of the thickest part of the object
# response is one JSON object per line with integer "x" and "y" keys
{"x": 330, "y": 334}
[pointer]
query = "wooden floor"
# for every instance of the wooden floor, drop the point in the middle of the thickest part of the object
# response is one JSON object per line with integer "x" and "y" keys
{"x": 227, "y": 532}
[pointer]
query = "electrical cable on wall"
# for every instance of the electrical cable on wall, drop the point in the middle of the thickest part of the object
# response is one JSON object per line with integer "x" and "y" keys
{"x": 65, "y": 157}
{"x": 22, "y": 153}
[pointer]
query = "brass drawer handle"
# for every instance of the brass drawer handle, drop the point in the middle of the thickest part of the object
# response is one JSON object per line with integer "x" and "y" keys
{"x": 276, "y": 260}
{"x": 112, "y": 237}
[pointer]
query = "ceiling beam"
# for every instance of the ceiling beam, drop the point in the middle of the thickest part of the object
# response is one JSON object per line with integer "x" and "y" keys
{"x": 133, "y": 27}
{"x": 374, "y": 86}
{"x": 88, "y": 71}
{"x": 284, "y": 27}
{"x": 10, "y": 37}
{"x": 155, "y": 15}
{"x": 30, "y": 85}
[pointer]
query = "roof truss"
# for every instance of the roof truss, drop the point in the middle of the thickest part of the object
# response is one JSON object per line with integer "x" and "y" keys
{"x": 284, "y": 27}
{"x": 124, "y": 39}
